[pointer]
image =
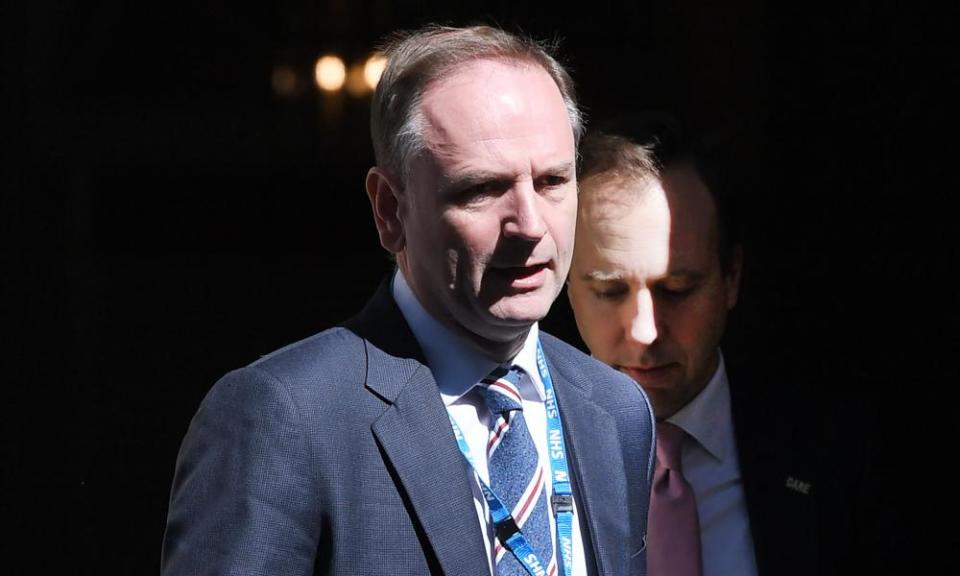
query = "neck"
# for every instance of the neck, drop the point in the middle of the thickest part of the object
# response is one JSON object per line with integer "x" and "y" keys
{"x": 497, "y": 343}
{"x": 504, "y": 346}
{"x": 499, "y": 352}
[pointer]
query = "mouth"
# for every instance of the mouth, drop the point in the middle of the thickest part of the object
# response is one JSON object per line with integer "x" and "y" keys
{"x": 523, "y": 278}
{"x": 652, "y": 375}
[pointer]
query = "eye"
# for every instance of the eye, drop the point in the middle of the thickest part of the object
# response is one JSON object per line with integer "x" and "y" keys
{"x": 676, "y": 292}
{"x": 610, "y": 293}
{"x": 553, "y": 186}
{"x": 480, "y": 191}
{"x": 551, "y": 181}
{"x": 491, "y": 187}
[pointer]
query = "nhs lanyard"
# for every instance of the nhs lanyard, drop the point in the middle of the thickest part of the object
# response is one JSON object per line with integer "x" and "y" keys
{"x": 505, "y": 527}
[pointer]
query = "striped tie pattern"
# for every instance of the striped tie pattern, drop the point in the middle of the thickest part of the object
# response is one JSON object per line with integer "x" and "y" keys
{"x": 516, "y": 473}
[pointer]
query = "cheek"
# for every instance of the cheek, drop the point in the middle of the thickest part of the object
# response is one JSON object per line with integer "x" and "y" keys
{"x": 601, "y": 330}
{"x": 700, "y": 326}
{"x": 474, "y": 235}
{"x": 468, "y": 244}
{"x": 563, "y": 225}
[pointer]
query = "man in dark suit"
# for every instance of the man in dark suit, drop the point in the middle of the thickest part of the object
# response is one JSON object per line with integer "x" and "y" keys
{"x": 655, "y": 272}
{"x": 376, "y": 447}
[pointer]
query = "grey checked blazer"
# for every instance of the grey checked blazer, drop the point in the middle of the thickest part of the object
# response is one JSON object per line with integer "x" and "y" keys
{"x": 334, "y": 455}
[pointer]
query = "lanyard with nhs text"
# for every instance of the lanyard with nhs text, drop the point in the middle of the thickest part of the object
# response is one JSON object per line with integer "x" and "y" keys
{"x": 505, "y": 526}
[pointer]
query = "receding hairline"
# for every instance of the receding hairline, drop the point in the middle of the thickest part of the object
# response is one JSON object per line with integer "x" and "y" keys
{"x": 612, "y": 196}
{"x": 614, "y": 189}
{"x": 419, "y": 110}
{"x": 519, "y": 61}
{"x": 624, "y": 187}
{"x": 418, "y": 59}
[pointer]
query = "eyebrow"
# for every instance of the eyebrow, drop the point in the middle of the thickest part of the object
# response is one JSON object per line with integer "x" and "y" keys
{"x": 469, "y": 178}
{"x": 562, "y": 168}
{"x": 601, "y": 276}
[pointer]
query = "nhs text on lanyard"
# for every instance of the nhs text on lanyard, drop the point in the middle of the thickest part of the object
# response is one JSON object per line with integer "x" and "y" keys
{"x": 504, "y": 525}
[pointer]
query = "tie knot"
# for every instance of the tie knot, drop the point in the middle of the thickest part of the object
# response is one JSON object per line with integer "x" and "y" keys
{"x": 669, "y": 440}
{"x": 501, "y": 389}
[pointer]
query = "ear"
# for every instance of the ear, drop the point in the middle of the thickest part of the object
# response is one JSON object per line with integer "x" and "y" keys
{"x": 385, "y": 198}
{"x": 732, "y": 278}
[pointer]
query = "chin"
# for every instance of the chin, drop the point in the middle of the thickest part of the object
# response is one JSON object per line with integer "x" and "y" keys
{"x": 521, "y": 309}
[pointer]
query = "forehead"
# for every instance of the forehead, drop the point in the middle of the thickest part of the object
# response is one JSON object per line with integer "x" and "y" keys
{"x": 497, "y": 111}
{"x": 647, "y": 227}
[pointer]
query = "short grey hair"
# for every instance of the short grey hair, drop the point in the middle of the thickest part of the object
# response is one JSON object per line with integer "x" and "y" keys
{"x": 418, "y": 58}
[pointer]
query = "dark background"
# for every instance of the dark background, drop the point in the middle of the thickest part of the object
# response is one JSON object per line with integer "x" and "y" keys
{"x": 166, "y": 216}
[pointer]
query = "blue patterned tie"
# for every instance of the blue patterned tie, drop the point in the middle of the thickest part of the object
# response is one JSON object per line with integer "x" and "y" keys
{"x": 516, "y": 475}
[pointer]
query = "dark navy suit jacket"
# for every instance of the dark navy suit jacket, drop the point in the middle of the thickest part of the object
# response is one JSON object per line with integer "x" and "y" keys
{"x": 335, "y": 455}
{"x": 802, "y": 468}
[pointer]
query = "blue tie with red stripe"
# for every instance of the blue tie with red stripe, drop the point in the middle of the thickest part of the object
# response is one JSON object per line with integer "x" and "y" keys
{"x": 516, "y": 475}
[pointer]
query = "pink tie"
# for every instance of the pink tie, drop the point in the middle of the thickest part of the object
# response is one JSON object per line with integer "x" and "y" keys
{"x": 673, "y": 532}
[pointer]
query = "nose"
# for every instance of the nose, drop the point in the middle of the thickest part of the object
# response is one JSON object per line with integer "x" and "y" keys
{"x": 641, "y": 325}
{"x": 525, "y": 219}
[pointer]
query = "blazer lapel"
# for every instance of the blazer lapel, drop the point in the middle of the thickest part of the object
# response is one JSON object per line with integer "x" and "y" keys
{"x": 597, "y": 465}
{"x": 417, "y": 440}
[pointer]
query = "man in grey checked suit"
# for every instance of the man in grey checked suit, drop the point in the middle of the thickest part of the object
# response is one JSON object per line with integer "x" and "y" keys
{"x": 336, "y": 454}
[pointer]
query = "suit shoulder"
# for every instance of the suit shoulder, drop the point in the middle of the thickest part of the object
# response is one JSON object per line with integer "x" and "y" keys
{"x": 336, "y": 351}
{"x": 319, "y": 377}
{"x": 556, "y": 348}
{"x": 613, "y": 392}
{"x": 574, "y": 361}
{"x": 310, "y": 371}
{"x": 606, "y": 386}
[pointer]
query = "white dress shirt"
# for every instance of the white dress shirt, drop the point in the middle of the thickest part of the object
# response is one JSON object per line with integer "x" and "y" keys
{"x": 710, "y": 465}
{"x": 457, "y": 367}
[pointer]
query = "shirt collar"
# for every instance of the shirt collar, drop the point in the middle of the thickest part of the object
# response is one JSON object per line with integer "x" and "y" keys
{"x": 707, "y": 417}
{"x": 456, "y": 365}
